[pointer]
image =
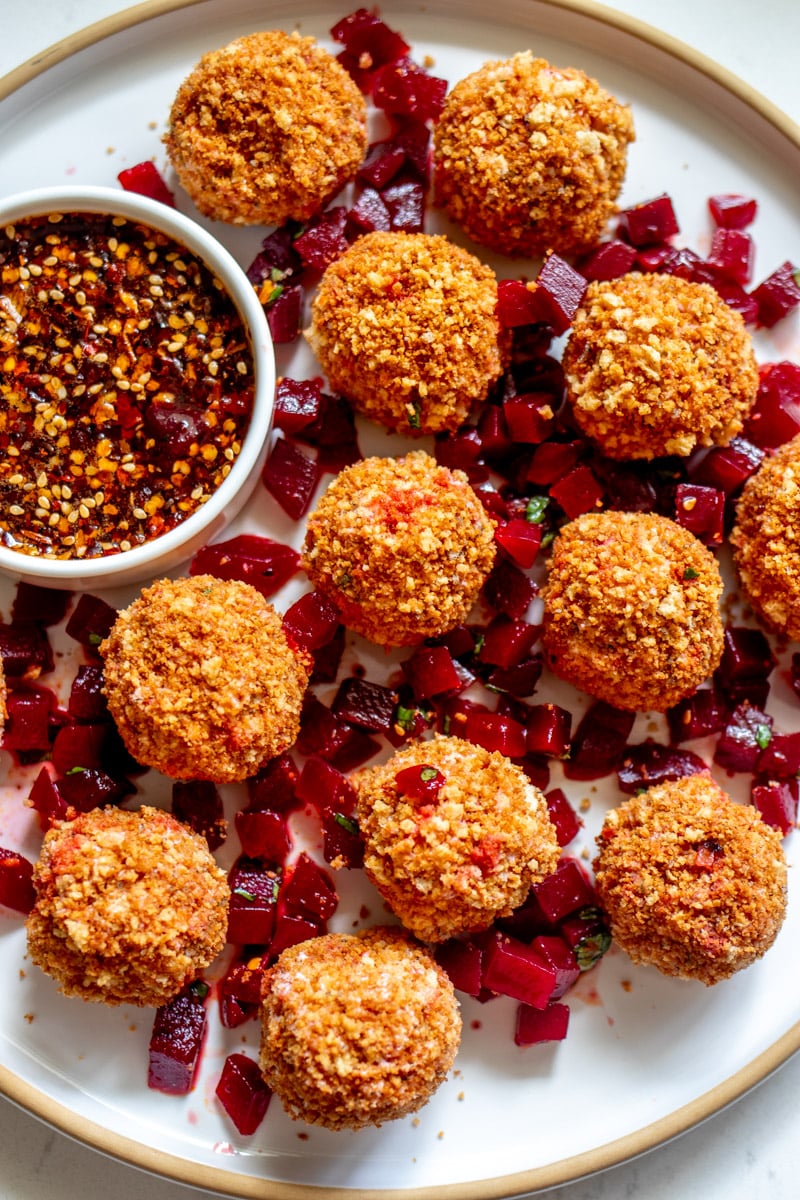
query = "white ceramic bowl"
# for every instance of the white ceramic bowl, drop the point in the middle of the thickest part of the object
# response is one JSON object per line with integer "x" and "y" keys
{"x": 171, "y": 549}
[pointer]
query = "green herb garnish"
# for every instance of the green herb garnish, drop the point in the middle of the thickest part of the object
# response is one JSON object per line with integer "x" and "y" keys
{"x": 691, "y": 573}
{"x": 537, "y": 506}
{"x": 243, "y": 892}
{"x": 347, "y": 823}
{"x": 763, "y": 736}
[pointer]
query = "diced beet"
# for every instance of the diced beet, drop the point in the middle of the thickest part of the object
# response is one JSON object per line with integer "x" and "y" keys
{"x": 25, "y": 650}
{"x": 277, "y": 259}
{"x": 534, "y": 1026}
{"x": 291, "y": 476}
{"x": 283, "y": 308}
{"x": 27, "y": 726}
{"x": 520, "y": 680}
{"x": 462, "y": 961}
{"x": 263, "y": 835}
{"x": 775, "y": 417}
{"x": 552, "y": 461}
{"x": 459, "y": 451}
{"x": 738, "y": 299}
{"x": 652, "y": 258}
{"x": 508, "y": 641}
{"x": 293, "y": 928}
{"x": 405, "y": 203}
{"x": 494, "y": 731}
{"x": 87, "y": 701}
{"x": 733, "y": 254}
{"x": 561, "y": 957}
{"x": 342, "y": 844}
{"x": 565, "y": 890}
{"x": 516, "y": 304}
{"x": 297, "y": 404}
{"x": 578, "y": 492}
{"x": 334, "y": 435}
{"x": 46, "y": 800}
{"x": 146, "y": 179}
{"x": 380, "y": 165}
{"x": 781, "y": 758}
{"x": 731, "y": 211}
{"x": 599, "y": 741}
{"x": 365, "y": 704}
{"x": 309, "y": 890}
{"x": 547, "y": 730}
{"x": 79, "y": 746}
{"x": 311, "y": 622}
{"x": 321, "y": 731}
{"x": 626, "y": 486}
{"x": 608, "y": 261}
{"x": 431, "y": 671}
{"x": 324, "y": 787}
{"x": 260, "y": 561}
{"x": 403, "y": 88}
{"x": 701, "y": 510}
{"x": 520, "y": 539}
{"x": 369, "y": 213}
{"x": 243, "y": 1093}
{"x": 650, "y": 763}
{"x": 254, "y": 892}
{"x": 508, "y": 589}
{"x": 558, "y": 293}
{"x": 651, "y": 221}
{"x": 419, "y": 782}
{"x": 777, "y": 803}
{"x": 198, "y": 804}
{"x": 324, "y": 240}
{"x": 746, "y": 656}
{"x": 510, "y": 968}
{"x": 727, "y": 467}
{"x": 88, "y": 788}
{"x": 16, "y": 881}
{"x": 748, "y": 731}
{"x": 587, "y": 933}
{"x": 699, "y": 715}
{"x": 91, "y": 620}
{"x": 244, "y": 978}
{"x": 363, "y": 33}
{"x": 176, "y": 1043}
{"x": 529, "y": 417}
{"x": 46, "y": 606}
{"x": 565, "y": 820}
{"x": 493, "y": 432}
{"x": 273, "y": 788}
{"x": 777, "y": 295}
{"x": 233, "y": 1013}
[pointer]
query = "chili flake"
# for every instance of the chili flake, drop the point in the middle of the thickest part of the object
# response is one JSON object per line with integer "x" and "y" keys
{"x": 126, "y": 384}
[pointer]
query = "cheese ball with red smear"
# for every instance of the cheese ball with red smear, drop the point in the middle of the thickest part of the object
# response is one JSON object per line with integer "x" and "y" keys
{"x": 130, "y": 906}
{"x": 201, "y": 679}
{"x": 357, "y": 1029}
{"x": 693, "y": 883}
{"x": 454, "y": 836}
{"x": 658, "y": 365}
{"x": 405, "y": 326}
{"x": 632, "y": 609}
{"x": 266, "y": 129}
{"x": 401, "y": 545}
{"x": 766, "y": 540}
{"x": 529, "y": 157}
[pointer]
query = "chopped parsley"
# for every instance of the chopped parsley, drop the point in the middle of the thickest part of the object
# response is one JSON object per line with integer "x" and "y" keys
{"x": 537, "y": 506}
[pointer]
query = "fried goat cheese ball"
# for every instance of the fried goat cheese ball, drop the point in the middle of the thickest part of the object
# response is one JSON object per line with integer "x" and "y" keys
{"x": 766, "y": 540}
{"x": 529, "y": 157}
{"x": 452, "y": 856}
{"x": 130, "y": 906}
{"x": 201, "y": 679}
{"x": 357, "y": 1029}
{"x": 657, "y": 365}
{"x": 266, "y": 129}
{"x": 632, "y": 609}
{"x": 693, "y": 883}
{"x": 405, "y": 326}
{"x": 401, "y": 545}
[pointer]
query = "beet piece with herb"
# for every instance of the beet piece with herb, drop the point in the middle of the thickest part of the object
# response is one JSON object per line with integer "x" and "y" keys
{"x": 79, "y": 746}
{"x": 520, "y": 680}
{"x": 780, "y": 758}
{"x": 747, "y": 732}
{"x": 283, "y": 308}
{"x": 176, "y": 1043}
{"x": 260, "y": 561}
{"x": 243, "y": 1093}
{"x": 91, "y": 620}
{"x": 254, "y": 893}
{"x": 87, "y": 788}
{"x": 198, "y": 804}
{"x": 16, "y": 881}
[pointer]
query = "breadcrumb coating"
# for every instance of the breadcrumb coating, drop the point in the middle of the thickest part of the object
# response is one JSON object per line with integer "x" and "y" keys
{"x": 632, "y": 609}
{"x": 201, "y": 680}
{"x": 265, "y": 129}
{"x": 693, "y": 883}
{"x": 130, "y": 906}
{"x": 357, "y": 1029}
{"x": 529, "y": 157}
{"x": 657, "y": 365}
{"x": 401, "y": 545}
{"x": 766, "y": 540}
{"x": 405, "y": 326}
{"x": 453, "y": 865}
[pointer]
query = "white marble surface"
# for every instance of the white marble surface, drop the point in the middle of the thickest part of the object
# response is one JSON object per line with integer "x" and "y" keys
{"x": 750, "y": 1150}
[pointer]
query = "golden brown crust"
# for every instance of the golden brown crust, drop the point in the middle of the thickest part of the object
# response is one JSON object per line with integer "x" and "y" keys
{"x": 201, "y": 679}
{"x": 130, "y": 906}
{"x": 631, "y": 609}
{"x": 658, "y": 365}
{"x": 357, "y": 1030}
{"x": 405, "y": 326}
{"x": 267, "y": 128}
{"x": 766, "y": 540}
{"x": 529, "y": 157}
{"x": 454, "y": 865}
{"x": 693, "y": 883}
{"x": 401, "y": 545}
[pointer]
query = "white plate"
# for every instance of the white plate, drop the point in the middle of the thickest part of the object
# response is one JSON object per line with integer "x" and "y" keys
{"x": 646, "y": 1057}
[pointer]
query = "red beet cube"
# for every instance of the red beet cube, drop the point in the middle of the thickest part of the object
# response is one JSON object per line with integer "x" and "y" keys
{"x": 369, "y": 212}
{"x": 516, "y": 304}
{"x": 25, "y": 650}
{"x": 291, "y": 476}
{"x": 775, "y": 417}
{"x": 746, "y": 656}
{"x": 519, "y": 680}
{"x": 727, "y": 467}
{"x": 701, "y": 510}
{"x": 558, "y": 294}
{"x": 430, "y": 671}
{"x": 16, "y": 881}
{"x": 405, "y": 203}
{"x": 263, "y": 835}
{"x": 198, "y": 804}
{"x": 176, "y": 1043}
{"x": 731, "y": 211}
{"x": 273, "y": 787}
{"x": 608, "y": 261}
{"x": 508, "y": 589}
{"x": 534, "y": 1026}
{"x": 649, "y": 763}
{"x": 365, "y": 704}
{"x": 146, "y": 179}
{"x": 243, "y": 979}
{"x": 87, "y": 701}
{"x": 463, "y": 963}
{"x": 312, "y": 621}
{"x": 382, "y": 162}
{"x": 309, "y": 890}
{"x": 46, "y": 606}
{"x": 342, "y": 845}
{"x": 578, "y": 492}
{"x": 46, "y": 800}
{"x": 733, "y": 254}
{"x": 565, "y": 891}
{"x": 297, "y": 404}
{"x": 233, "y": 1013}
{"x": 324, "y": 239}
{"x": 260, "y": 561}
{"x": 777, "y": 295}
{"x": 87, "y": 788}
{"x": 599, "y": 741}
{"x": 781, "y": 758}
{"x": 588, "y": 935}
{"x": 419, "y": 782}
{"x": 363, "y": 33}
{"x": 324, "y": 787}
{"x": 293, "y": 928}
{"x": 561, "y": 957}
{"x": 652, "y": 221}
{"x": 91, "y": 620}
{"x": 510, "y": 968}
{"x": 494, "y": 731}
{"x": 405, "y": 89}
{"x": 747, "y": 732}
{"x": 548, "y": 729}
{"x": 28, "y": 722}
{"x": 254, "y": 893}
{"x": 529, "y": 417}
{"x": 243, "y": 1093}
{"x": 697, "y": 716}
{"x": 552, "y": 461}
{"x": 283, "y": 306}
{"x": 507, "y": 641}
{"x": 777, "y": 803}
{"x": 566, "y": 821}
{"x": 79, "y": 746}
